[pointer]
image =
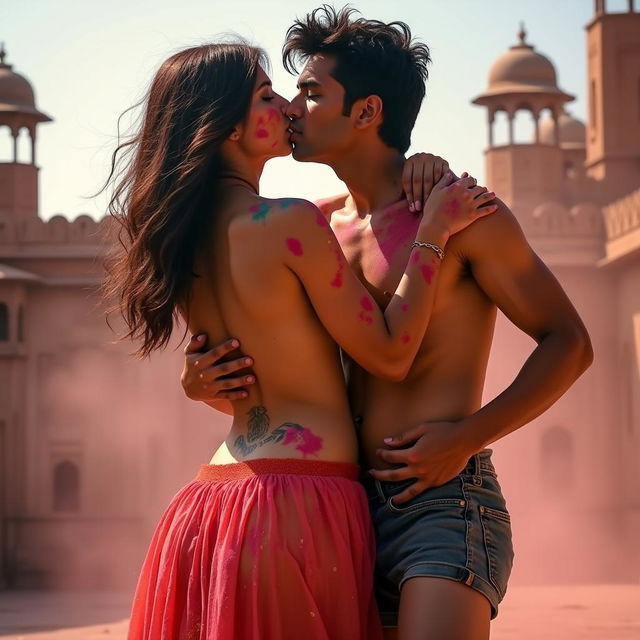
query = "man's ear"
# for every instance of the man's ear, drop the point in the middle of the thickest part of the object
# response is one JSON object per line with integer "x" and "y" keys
{"x": 368, "y": 111}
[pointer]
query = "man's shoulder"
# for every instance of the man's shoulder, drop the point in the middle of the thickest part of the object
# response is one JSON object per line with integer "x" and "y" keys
{"x": 491, "y": 231}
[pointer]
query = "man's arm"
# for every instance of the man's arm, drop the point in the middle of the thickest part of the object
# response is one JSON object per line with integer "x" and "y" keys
{"x": 517, "y": 281}
{"x": 211, "y": 381}
{"x": 524, "y": 289}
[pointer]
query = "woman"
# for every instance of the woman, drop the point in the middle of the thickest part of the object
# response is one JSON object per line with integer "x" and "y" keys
{"x": 272, "y": 539}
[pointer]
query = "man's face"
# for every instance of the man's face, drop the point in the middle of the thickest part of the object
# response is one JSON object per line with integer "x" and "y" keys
{"x": 320, "y": 130}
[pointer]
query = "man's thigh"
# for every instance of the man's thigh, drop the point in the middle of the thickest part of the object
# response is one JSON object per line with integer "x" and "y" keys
{"x": 442, "y": 609}
{"x": 456, "y": 533}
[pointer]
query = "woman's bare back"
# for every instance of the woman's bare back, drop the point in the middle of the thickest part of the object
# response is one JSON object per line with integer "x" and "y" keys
{"x": 298, "y": 407}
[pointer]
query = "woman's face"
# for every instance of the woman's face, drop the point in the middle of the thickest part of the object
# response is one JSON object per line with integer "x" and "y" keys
{"x": 265, "y": 132}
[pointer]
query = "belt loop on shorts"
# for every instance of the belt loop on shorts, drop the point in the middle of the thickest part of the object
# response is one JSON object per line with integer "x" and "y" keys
{"x": 379, "y": 490}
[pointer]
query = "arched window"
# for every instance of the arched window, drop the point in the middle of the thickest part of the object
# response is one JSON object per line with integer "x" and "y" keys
{"x": 4, "y": 322}
{"x": 66, "y": 487}
{"x": 557, "y": 460}
{"x": 20, "y": 323}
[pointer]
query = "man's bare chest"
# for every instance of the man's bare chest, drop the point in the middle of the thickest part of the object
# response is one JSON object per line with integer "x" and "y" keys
{"x": 379, "y": 258}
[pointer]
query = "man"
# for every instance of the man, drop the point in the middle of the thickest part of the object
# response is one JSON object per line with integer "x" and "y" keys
{"x": 444, "y": 536}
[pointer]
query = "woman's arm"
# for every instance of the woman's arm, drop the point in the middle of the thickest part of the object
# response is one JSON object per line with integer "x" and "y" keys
{"x": 384, "y": 343}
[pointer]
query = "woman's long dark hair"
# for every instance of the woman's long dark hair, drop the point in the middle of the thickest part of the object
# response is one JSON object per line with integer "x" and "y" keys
{"x": 162, "y": 196}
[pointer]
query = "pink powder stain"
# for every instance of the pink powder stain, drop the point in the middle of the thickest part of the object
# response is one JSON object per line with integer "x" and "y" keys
{"x": 306, "y": 442}
{"x": 274, "y": 114}
{"x": 405, "y": 337}
{"x": 405, "y": 307}
{"x": 396, "y": 232}
{"x": 338, "y": 278}
{"x": 262, "y": 133}
{"x": 453, "y": 208}
{"x": 366, "y": 304}
{"x": 415, "y": 257}
{"x": 427, "y": 272}
{"x": 363, "y": 317}
{"x": 321, "y": 221}
{"x": 295, "y": 246}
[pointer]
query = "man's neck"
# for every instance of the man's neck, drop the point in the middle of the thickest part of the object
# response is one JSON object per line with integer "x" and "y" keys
{"x": 373, "y": 177}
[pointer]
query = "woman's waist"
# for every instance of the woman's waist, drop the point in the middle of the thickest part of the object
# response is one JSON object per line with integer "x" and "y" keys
{"x": 299, "y": 432}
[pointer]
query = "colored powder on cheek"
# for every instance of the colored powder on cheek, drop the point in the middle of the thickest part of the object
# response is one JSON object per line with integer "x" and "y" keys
{"x": 295, "y": 246}
{"x": 427, "y": 272}
{"x": 286, "y": 202}
{"x": 405, "y": 307}
{"x": 405, "y": 338}
{"x": 366, "y": 304}
{"x": 262, "y": 133}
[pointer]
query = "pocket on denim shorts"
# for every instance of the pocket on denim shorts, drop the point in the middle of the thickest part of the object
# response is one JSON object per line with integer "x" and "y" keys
{"x": 420, "y": 505}
{"x": 446, "y": 495}
{"x": 496, "y": 533}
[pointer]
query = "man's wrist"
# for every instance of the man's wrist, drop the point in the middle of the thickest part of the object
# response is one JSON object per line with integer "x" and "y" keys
{"x": 470, "y": 435}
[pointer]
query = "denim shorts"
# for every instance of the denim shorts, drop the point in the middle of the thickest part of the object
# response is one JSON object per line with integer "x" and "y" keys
{"x": 460, "y": 531}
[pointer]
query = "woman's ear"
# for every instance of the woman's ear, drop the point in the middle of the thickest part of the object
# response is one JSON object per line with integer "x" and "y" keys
{"x": 369, "y": 111}
{"x": 234, "y": 135}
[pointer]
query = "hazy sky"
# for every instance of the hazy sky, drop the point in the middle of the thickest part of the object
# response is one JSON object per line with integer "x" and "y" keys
{"x": 88, "y": 61}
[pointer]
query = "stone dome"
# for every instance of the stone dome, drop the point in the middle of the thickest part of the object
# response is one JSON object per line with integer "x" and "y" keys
{"x": 16, "y": 93}
{"x": 522, "y": 65}
{"x": 14, "y": 88}
{"x": 522, "y": 70}
{"x": 571, "y": 131}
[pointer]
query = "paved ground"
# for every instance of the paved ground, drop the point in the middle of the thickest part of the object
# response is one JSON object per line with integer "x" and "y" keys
{"x": 596, "y": 612}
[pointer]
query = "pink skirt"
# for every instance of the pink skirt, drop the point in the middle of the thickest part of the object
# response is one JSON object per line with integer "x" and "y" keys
{"x": 267, "y": 549}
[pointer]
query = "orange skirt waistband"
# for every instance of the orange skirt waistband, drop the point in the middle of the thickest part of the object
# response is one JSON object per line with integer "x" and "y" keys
{"x": 287, "y": 466}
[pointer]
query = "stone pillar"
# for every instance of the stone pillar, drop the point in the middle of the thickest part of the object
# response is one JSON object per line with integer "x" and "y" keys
{"x": 511, "y": 115}
{"x": 32, "y": 135}
{"x": 536, "y": 122}
{"x": 491, "y": 119}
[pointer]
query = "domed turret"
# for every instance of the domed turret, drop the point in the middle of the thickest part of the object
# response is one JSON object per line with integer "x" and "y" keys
{"x": 519, "y": 79}
{"x": 16, "y": 93}
{"x": 522, "y": 69}
{"x": 18, "y": 111}
{"x": 571, "y": 132}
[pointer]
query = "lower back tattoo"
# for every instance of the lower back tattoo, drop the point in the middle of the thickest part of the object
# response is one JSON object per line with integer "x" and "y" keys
{"x": 288, "y": 433}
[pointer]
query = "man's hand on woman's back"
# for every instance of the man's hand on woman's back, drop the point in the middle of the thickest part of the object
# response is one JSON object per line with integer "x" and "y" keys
{"x": 210, "y": 379}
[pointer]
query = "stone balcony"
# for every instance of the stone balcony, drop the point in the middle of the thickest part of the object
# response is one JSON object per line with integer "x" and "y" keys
{"x": 622, "y": 225}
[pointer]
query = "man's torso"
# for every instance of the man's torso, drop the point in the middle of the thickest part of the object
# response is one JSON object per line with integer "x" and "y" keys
{"x": 446, "y": 379}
